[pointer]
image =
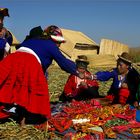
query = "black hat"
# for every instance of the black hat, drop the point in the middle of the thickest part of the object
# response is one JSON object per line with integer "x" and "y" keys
{"x": 4, "y": 12}
{"x": 125, "y": 57}
{"x": 82, "y": 58}
{"x": 36, "y": 32}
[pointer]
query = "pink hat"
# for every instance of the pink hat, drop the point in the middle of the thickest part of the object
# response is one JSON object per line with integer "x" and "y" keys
{"x": 55, "y": 33}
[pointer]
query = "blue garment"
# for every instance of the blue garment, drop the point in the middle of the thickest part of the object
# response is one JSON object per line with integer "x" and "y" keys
{"x": 106, "y": 75}
{"x": 137, "y": 113}
{"x": 2, "y": 43}
{"x": 9, "y": 39}
{"x": 47, "y": 51}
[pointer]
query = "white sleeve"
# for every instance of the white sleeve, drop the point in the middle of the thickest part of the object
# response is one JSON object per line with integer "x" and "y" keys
{"x": 7, "y": 47}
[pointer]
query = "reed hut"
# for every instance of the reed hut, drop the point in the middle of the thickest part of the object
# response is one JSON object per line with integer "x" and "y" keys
{"x": 78, "y": 43}
{"x": 112, "y": 47}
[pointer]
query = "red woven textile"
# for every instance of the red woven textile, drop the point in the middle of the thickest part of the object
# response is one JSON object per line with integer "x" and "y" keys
{"x": 123, "y": 95}
{"x": 22, "y": 81}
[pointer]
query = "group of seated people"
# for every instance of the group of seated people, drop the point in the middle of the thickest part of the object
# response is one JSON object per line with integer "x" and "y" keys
{"x": 124, "y": 88}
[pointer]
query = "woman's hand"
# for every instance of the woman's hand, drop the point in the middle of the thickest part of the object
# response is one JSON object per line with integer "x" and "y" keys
{"x": 136, "y": 104}
{"x": 83, "y": 84}
{"x": 124, "y": 85}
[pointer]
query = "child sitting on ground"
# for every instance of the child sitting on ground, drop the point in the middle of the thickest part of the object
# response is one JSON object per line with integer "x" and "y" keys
{"x": 80, "y": 88}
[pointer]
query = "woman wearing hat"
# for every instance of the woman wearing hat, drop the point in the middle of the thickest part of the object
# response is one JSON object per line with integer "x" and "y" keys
{"x": 22, "y": 80}
{"x": 5, "y": 35}
{"x": 77, "y": 88}
{"x": 125, "y": 80}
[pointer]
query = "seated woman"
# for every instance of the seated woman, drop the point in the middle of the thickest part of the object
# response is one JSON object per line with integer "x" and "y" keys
{"x": 80, "y": 88}
{"x": 125, "y": 81}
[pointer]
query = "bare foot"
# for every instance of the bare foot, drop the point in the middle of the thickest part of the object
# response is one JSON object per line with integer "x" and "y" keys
{"x": 22, "y": 123}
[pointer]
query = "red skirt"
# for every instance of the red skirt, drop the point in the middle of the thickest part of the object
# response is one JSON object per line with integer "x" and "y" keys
{"x": 22, "y": 81}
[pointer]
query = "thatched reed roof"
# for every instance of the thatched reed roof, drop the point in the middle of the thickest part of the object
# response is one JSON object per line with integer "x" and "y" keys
{"x": 76, "y": 39}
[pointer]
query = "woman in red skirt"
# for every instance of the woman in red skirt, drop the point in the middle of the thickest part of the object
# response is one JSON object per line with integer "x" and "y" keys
{"x": 22, "y": 81}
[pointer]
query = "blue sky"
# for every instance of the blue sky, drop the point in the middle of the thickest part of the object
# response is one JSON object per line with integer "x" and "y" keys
{"x": 112, "y": 19}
